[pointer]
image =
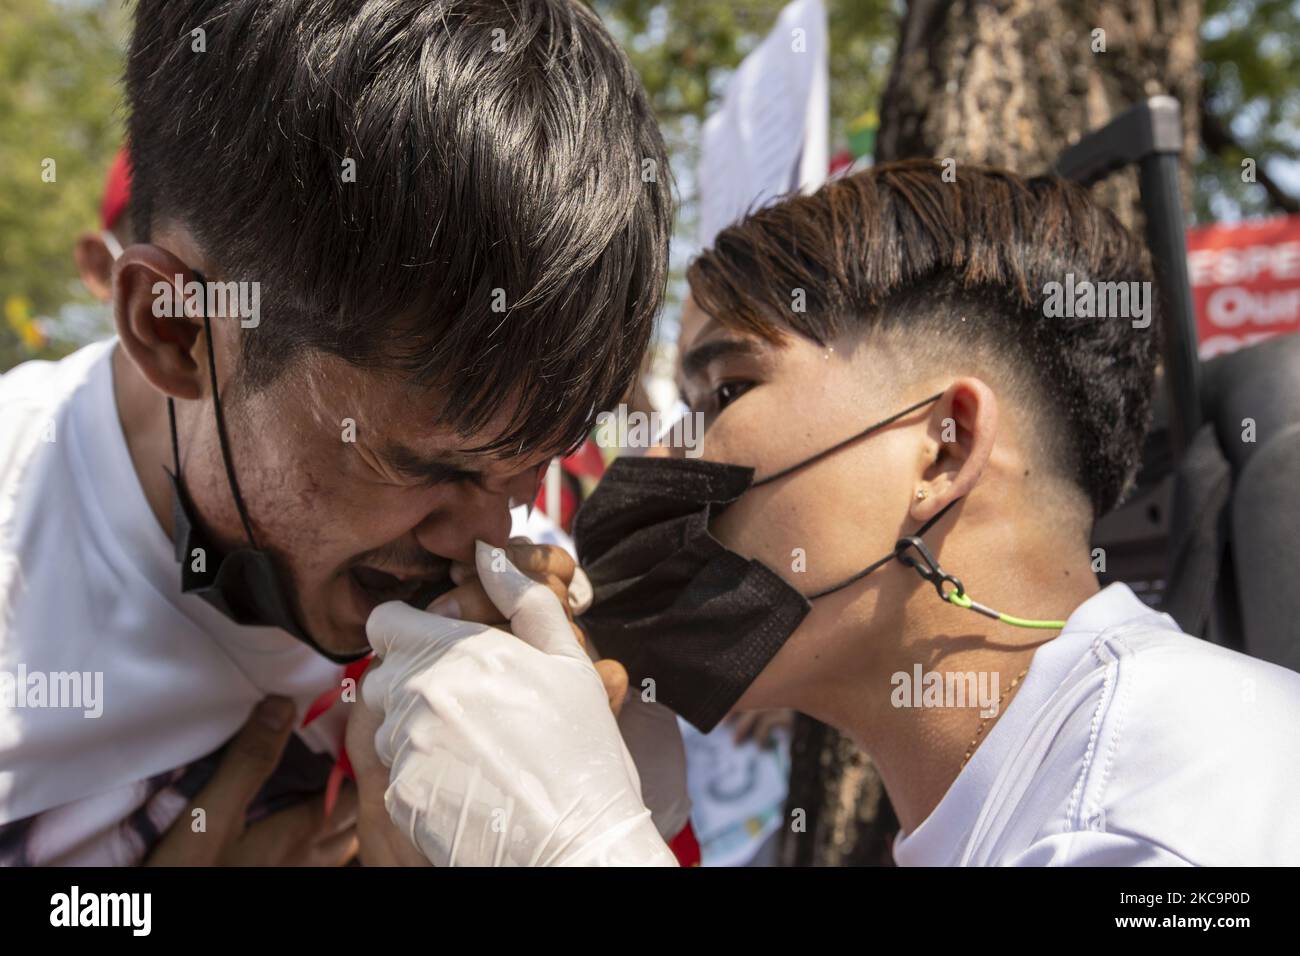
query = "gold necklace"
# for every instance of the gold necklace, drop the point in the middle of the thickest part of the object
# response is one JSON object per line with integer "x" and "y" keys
{"x": 975, "y": 742}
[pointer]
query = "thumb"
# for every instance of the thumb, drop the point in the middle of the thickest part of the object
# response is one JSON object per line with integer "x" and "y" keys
{"x": 535, "y": 613}
{"x": 249, "y": 760}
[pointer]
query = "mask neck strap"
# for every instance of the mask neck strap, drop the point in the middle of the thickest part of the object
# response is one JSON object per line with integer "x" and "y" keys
{"x": 226, "y": 458}
{"x": 848, "y": 441}
{"x": 898, "y": 550}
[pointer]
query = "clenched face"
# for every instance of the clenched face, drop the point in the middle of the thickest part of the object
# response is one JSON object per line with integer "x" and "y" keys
{"x": 351, "y": 485}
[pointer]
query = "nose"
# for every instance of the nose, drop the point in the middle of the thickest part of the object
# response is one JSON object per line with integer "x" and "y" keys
{"x": 475, "y": 512}
{"x": 522, "y": 488}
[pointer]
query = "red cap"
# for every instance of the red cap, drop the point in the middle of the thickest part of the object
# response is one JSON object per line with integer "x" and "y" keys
{"x": 117, "y": 190}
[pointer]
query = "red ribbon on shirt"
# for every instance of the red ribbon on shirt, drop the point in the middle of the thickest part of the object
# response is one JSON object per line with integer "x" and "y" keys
{"x": 342, "y": 768}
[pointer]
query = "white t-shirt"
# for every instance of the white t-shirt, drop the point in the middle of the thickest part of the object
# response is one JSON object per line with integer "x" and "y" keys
{"x": 89, "y": 586}
{"x": 1129, "y": 743}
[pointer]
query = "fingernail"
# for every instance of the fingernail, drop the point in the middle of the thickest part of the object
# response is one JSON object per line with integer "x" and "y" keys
{"x": 275, "y": 712}
{"x": 446, "y": 607}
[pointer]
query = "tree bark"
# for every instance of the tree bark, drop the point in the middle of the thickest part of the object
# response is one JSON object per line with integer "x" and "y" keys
{"x": 1008, "y": 83}
{"x": 837, "y": 811}
{"x": 1014, "y": 82}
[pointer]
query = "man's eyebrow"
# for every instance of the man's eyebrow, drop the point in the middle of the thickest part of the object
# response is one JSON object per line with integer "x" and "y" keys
{"x": 697, "y": 359}
{"x": 433, "y": 468}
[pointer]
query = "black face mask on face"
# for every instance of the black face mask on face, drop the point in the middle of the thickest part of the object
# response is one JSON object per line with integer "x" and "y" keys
{"x": 675, "y": 606}
{"x": 242, "y": 584}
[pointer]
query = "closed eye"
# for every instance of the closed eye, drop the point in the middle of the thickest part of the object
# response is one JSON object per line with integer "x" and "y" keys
{"x": 429, "y": 471}
{"x": 444, "y": 475}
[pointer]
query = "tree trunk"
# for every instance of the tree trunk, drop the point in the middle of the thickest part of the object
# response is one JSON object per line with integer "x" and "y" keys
{"x": 846, "y": 818}
{"x": 1014, "y": 82}
{"x": 1007, "y": 83}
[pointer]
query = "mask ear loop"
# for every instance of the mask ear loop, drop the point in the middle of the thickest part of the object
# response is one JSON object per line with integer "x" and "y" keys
{"x": 896, "y": 554}
{"x": 948, "y": 587}
{"x": 848, "y": 441}
{"x": 221, "y": 422}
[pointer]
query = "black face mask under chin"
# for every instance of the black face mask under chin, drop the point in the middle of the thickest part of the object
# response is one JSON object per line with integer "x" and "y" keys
{"x": 242, "y": 584}
{"x": 675, "y": 606}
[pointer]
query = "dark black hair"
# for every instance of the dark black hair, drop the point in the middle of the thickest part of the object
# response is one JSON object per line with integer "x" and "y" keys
{"x": 505, "y": 155}
{"x": 965, "y": 265}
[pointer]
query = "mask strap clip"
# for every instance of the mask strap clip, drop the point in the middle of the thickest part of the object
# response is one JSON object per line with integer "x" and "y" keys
{"x": 927, "y": 566}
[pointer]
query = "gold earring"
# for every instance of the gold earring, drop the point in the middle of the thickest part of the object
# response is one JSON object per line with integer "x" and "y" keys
{"x": 920, "y": 494}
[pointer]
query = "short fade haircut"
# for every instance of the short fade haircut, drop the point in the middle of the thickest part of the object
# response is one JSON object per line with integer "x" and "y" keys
{"x": 500, "y": 148}
{"x": 961, "y": 269}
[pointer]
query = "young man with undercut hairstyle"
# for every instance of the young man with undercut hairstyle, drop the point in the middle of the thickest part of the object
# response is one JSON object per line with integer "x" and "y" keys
{"x": 907, "y": 445}
{"x": 389, "y": 259}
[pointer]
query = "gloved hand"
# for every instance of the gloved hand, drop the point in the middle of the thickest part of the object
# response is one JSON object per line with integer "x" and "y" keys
{"x": 502, "y": 748}
{"x": 654, "y": 739}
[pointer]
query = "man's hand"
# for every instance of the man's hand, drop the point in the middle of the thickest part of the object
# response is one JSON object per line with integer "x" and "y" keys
{"x": 381, "y": 842}
{"x": 298, "y": 836}
{"x": 649, "y": 730}
{"x": 549, "y": 565}
{"x": 503, "y": 750}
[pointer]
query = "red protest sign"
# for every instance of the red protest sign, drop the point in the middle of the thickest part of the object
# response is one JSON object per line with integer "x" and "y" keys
{"x": 1245, "y": 282}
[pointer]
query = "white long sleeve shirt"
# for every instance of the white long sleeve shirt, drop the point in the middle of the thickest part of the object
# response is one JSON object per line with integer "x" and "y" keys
{"x": 1128, "y": 744}
{"x": 90, "y": 603}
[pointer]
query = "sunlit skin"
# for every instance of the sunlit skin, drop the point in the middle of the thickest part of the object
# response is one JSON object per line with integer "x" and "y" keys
{"x": 1018, "y": 540}
{"x": 322, "y": 505}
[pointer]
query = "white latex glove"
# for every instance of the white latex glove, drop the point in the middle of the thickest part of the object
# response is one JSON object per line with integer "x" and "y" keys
{"x": 502, "y": 749}
{"x": 655, "y": 741}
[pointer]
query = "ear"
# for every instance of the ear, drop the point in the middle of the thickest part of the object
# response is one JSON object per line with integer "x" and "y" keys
{"x": 962, "y": 430}
{"x": 95, "y": 263}
{"x": 152, "y": 323}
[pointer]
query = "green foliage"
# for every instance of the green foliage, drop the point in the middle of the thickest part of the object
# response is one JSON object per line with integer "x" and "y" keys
{"x": 59, "y": 99}
{"x": 1250, "y": 51}
{"x": 685, "y": 50}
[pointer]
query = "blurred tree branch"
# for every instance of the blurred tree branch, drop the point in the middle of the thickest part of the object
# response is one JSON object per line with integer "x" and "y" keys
{"x": 1218, "y": 140}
